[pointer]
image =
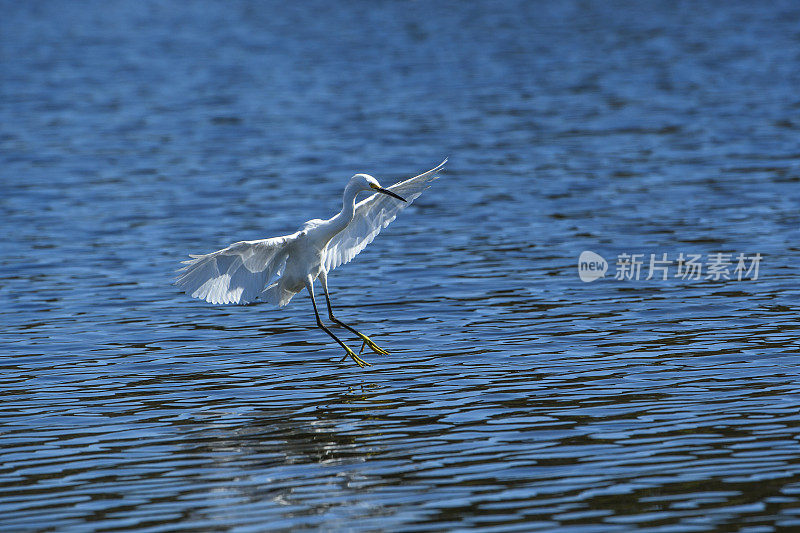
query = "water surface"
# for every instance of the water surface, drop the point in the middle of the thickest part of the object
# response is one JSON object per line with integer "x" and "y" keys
{"x": 516, "y": 396}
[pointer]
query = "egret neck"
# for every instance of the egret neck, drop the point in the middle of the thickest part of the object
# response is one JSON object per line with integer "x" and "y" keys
{"x": 340, "y": 221}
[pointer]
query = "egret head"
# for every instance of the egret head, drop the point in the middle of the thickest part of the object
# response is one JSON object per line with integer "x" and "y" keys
{"x": 365, "y": 182}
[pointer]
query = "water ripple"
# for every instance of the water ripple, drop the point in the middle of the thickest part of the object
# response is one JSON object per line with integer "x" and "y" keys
{"x": 516, "y": 397}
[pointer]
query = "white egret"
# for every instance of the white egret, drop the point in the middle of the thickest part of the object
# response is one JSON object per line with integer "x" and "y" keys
{"x": 276, "y": 269}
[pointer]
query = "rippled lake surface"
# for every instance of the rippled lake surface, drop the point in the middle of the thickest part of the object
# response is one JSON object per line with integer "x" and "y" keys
{"x": 516, "y": 396}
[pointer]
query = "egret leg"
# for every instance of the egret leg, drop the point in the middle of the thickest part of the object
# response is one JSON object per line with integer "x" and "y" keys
{"x": 366, "y": 340}
{"x": 360, "y": 362}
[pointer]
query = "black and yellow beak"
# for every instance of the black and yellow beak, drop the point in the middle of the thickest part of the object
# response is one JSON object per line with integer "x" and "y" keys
{"x": 388, "y": 192}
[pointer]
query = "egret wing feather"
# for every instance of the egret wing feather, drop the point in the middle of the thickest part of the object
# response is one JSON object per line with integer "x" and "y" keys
{"x": 236, "y": 274}
{"x": 372, "y": 215}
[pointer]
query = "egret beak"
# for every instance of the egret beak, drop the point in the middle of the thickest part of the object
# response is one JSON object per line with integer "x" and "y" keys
{"x": 390, "y": 193}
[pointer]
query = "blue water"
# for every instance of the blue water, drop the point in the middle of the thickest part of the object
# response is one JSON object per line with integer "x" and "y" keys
{"x": 516, "y": 396}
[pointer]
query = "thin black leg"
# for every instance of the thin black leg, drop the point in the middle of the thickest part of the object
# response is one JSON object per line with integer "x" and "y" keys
{"x": 366, "y": 340}
{"x": 360, "y": 362}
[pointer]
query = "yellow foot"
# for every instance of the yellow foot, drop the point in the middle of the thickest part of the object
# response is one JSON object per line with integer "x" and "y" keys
{"x": 360, "y": 362}
{"x": 372, "y": 346}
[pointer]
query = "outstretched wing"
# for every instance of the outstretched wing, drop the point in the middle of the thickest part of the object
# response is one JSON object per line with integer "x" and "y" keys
{"x": 372, "y": 215}
{"x": 236, "y": 274}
